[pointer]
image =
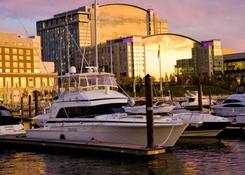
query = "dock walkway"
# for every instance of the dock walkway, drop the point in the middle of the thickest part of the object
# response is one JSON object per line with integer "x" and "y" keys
{"x": 81, "y": 145}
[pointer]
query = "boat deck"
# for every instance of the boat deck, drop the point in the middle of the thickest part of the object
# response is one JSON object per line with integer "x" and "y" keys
{"x": 18, "y": 141}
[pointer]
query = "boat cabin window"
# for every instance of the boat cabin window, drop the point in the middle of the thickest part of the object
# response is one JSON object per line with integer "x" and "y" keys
{"x": 89, "y": 111}
{"x": 231, "y": 101}
{"x": 5, "y": 113}
{"x": 234, "y": 105}
{"x": 191, "y": 99}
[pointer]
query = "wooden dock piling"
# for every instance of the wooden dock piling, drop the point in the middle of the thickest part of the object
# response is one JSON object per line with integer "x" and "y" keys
{"x": 29, "y": 104}
{"x": 200, "y": 96}
{"x": 36, "y": 102}
{"x": 149, "y": 111}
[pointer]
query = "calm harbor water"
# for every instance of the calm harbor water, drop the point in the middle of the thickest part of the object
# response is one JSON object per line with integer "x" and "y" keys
{"x": 204, "y": 156}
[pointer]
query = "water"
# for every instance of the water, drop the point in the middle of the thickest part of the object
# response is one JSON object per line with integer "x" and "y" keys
{"x": 205, "y": 156}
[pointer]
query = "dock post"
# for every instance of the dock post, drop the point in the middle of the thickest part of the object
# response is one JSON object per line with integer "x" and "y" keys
{"x": 21, "y": 107}
{"x": 210, "y": 99}
{"x": 199, "y": 96}
{"x": 36, "y": 102}
{"x": 29, "y": 104}
{"x": 149, "y": 111}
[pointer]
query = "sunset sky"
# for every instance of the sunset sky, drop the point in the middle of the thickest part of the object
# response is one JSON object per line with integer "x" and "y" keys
{"x": 199, "y": 19}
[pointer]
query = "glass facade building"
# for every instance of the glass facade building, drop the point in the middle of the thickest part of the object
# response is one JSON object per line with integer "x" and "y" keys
{"x": 215, "y": 56}
{"x": 234, "y": 65}
{"x": 64, "y": 33}
{"x": 163, "y": 55}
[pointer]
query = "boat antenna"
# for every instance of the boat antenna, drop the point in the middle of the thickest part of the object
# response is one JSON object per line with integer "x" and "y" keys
{"x": 95, "y": 35}
{"x": 67, "y": 42}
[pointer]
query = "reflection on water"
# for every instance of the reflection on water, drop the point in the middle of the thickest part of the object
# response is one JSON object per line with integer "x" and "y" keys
{"x": 206, "y": 156}
{"x": 21, "y": 163}
{"x": 188, "y": 157}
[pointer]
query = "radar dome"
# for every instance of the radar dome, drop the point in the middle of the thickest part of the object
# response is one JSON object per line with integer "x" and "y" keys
{"x": 73, "y": 70}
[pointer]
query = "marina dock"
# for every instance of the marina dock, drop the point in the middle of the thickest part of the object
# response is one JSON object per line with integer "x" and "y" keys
{"x": 92, "y": 146}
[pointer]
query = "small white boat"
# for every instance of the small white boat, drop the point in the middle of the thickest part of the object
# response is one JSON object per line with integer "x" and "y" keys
{"x": 9, "y": 125}
{"x": 231, "y": 107}
{"x": 90, "y": 109}
{"x": 191, "y": 99}
{"x": 201, "y": 124}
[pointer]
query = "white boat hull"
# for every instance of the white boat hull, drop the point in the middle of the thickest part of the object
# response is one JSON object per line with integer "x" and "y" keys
{"x": 164, "y": 135}
{"x": 17, "y": 129}
{"x": 201, "y": 133}
{"x": 229, "y": 111}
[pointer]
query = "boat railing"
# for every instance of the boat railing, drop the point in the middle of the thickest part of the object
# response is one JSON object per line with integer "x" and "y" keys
{"x": 85, "y": 82}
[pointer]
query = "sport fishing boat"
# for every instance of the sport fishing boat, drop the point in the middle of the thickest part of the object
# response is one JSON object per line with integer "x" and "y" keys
{"x": 90, "y": 109}
{"x": 9, "y": 125}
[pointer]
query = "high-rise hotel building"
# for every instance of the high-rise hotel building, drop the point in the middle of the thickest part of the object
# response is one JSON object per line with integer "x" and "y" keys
{"x": 21, "y": 68}
{"x": 64, "y": 33}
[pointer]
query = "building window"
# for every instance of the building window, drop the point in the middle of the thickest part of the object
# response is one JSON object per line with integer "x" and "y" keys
{"x": 0, "y": 57}
{"x": 21, "y": 58}
{"x": 28, "y": 52}
{"x": 21, "y": 65}
{"x": 28, "y": 70}
{"x": 14, "y": 51}
{"x": 7, "y": 70}
{"x": 37, "y": 82}
{"x": 7, "y": 57}
{"x": 1, "y": 70}
{"x": 8, "y": 83}
{"x": 15, "y": 64}
{"x": 1, "y": 64}
{"x": 15, "y": 58}
{"x": 15, "y": 82}
{"x": 20, "y": 51}
{"x": 21, "y": 70}
{"x": 6, "y": 51}
{"x": 28, "y": 65}
{"x": 30, "y": 82}
{"x": 15, "y": 71}
{"x": 23, "y": 82}
{"x": 28, "y": 58}
{"x": 7, "y": 64}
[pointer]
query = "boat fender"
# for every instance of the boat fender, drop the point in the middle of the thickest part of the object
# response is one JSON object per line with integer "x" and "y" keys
{"x": 62, "y": 137}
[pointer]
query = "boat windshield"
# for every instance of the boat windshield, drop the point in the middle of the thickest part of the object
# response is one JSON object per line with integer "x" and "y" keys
{"x": 90, "y": 111}
{"x": 88, "y": 81}
{"x": 231, "y": 101}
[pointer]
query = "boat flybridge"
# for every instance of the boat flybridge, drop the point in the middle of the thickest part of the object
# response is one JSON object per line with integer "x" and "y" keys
{"x": 90, "y": 109}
